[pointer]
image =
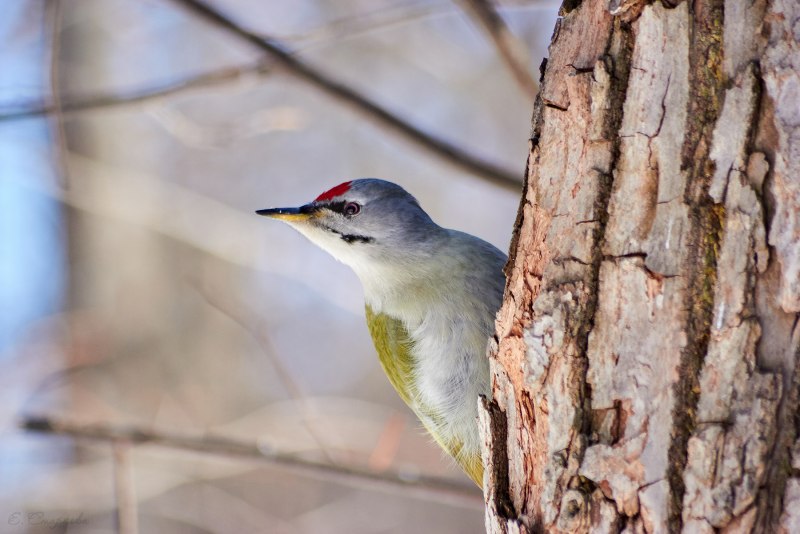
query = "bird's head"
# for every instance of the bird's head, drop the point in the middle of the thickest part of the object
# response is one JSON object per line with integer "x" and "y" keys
{"x": 363, "y": 223}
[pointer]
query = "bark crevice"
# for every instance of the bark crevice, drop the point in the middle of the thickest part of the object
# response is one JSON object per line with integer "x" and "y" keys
{"x": 708, "y": 218}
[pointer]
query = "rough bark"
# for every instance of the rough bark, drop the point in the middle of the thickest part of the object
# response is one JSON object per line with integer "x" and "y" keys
{"x": 645, "y": 366}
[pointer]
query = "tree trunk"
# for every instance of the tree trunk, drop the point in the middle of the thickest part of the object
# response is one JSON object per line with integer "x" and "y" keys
{"x": 645, "y": 366}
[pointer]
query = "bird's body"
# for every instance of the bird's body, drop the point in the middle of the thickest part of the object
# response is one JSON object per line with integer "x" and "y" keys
{"x": 431, "y": 296}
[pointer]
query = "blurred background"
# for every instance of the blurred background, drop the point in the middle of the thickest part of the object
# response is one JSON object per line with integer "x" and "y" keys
{"x": 140, "y": 297}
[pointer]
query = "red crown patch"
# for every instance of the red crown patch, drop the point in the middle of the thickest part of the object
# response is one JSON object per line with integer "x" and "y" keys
{"x": 340, "y": 189}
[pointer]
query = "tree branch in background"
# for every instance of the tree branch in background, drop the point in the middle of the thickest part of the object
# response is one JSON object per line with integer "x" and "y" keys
{"x": 55, "y": 11}
{"x": 218, "y": 77}
{"x": 124, "y": 488}
{"x": 421, "y": 487}
{"x": 365, "y": 22}
{"x": 345, "y": 95}
{"x": 511, "y": 49}
{"x": 234, "y": 311}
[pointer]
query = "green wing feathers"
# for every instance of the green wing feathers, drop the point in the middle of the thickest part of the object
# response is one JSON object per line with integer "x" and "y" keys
{"x": 394, "y": 346}
{"x": 394, "y": 352}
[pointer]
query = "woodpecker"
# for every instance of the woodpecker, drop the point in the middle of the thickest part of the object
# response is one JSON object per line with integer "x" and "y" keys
{"x": 431, "y": 298}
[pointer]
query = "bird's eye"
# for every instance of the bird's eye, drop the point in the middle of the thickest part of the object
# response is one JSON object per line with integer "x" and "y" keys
{"x": 351, "y": 208}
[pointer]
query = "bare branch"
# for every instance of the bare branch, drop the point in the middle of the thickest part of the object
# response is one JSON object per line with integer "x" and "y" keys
{"x": 124, "y": 489}
{"x": 389, "y": 441}
{"x": 510, "y": 48}
{"x": 218, "y": 77}
{"x": 235, "y": 312}
{"x": 421, "y": 487}
{"x": 55, "y": 10}
{"x": 345, "y": 95}
{"x": 366, "y": 22}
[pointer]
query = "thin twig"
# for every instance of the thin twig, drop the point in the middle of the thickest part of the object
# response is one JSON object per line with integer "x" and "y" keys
{"x": 510, "y": 48}
{"x": 384, "y": 452}
{"x": 124, "y": 489}
{"x": 365, "y": 22}
{"x": 348, "y": 96}
{"x": 310, "y": 414}
{"x": 57, "y": 124}
{"x": 421, "y": 487}
{"x": 94, "y": 102}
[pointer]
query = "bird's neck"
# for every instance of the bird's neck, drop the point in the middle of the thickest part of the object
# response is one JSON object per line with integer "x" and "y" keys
{"x": 407, "y": 285}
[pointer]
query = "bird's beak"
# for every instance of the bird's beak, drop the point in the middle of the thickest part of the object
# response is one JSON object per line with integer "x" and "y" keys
{"x": 303, "y": 213}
